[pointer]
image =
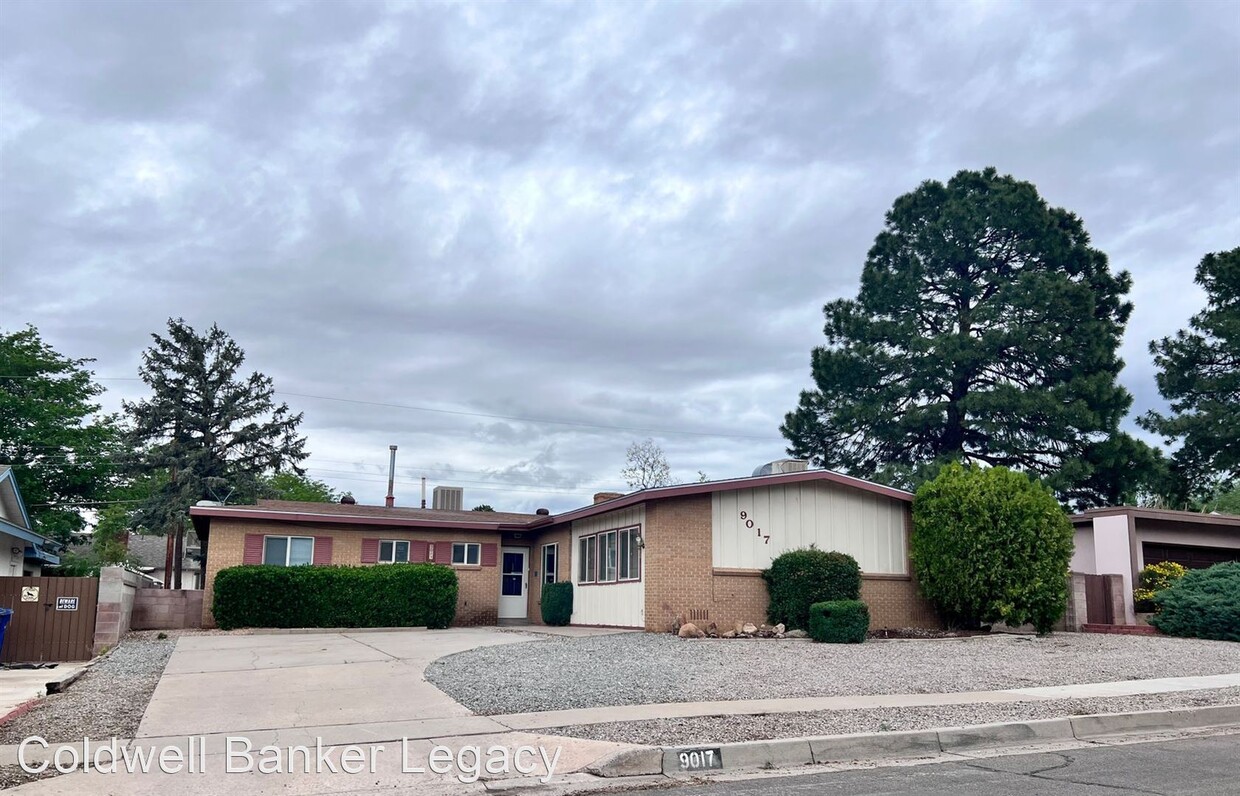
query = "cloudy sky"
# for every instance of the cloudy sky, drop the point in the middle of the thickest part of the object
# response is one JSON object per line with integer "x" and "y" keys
{"x": 513, "y": 237}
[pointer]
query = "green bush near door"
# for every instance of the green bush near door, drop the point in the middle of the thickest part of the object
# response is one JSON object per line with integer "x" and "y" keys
{"x": 391, "y": 595}
{"x": 557, "y": 603}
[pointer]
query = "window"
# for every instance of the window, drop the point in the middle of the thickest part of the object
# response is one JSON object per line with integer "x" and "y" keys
{"x": 607, "y": 556}
{"x": 288, "y": 551}
{"x": 551, "y": 562}
{"x": 630, "y": 554}
{"x": 585, "y": 561}
{"x": 393, "y": 552}
{"x": 466, "y": 554}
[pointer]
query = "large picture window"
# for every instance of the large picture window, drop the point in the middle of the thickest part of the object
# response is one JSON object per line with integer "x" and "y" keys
{"x": 610, "y": 556}
{"x": 288, "y": 551}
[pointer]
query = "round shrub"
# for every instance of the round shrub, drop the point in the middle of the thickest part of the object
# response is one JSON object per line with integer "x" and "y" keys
{"x": 799, "y": 578}
{"x": 557, "y": 603}
{"x": 1205, "y": 603}
{"x": 839, "y": 621}
{"x": 1153, "y": 579}
{"x": 991, "y": 545}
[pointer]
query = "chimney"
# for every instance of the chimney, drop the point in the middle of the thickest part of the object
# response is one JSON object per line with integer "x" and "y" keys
{"x": 600, "y": 497}
{"x": 423, "y": 491}
{"x": 390, "y": 500}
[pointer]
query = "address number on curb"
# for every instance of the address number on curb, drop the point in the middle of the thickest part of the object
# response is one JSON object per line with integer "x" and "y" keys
{"x": 700, "y": 759}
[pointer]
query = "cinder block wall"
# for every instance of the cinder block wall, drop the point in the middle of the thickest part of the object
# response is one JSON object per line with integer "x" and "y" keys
{"x": 166, "y": 609}
{"x": 117, "y": 588}
{"x": 681, "y": 580}
{"x": 477, "y": 598}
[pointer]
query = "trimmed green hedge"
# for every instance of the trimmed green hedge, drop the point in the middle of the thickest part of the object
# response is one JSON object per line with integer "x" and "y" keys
{"x": 557, "y": 603}
{"x": 1205, "y": 603}
{"x": 839, "y": 621}
{"x": 799, "y": 578}
{"x": 392, "y": 595}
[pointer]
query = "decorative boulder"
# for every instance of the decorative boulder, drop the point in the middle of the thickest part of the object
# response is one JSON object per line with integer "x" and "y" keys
{"x": 728, "y": 634}
{"x": 712, "y": 631}
{"x": 690, "y": 630}
{"x": 796, "y": 634}
{"x": 749, "y": 628}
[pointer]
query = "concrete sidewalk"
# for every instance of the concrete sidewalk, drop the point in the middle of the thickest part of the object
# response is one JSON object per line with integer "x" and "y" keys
{"x": 19, "y": 686}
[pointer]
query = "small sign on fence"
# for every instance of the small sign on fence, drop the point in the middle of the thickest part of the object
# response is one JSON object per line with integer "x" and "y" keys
{"x": 30, "y": 594}
{"x": 66, "y": 603}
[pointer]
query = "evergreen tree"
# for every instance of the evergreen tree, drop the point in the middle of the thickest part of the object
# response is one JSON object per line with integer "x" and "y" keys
{"x": 1199, "y": 374}
{"x": 214, "y": 432}
{"x": 985, "y": 330}
{"x": 61, "y": 449}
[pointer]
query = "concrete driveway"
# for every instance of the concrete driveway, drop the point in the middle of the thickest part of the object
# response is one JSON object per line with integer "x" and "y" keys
{"x": 318, "y": 690}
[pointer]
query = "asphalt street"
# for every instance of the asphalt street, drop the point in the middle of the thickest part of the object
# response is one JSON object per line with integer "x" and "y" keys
{"x": 1200, "y": 765}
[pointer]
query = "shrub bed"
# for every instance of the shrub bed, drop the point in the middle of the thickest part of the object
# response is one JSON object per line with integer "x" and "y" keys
{"x": 1153, "y": 579}
{"x": 557, "y": 603}
{"x": 392, "y": 595}
{"x": 1205, "y": 603}
{"x": 799, "y": 578}
{"x": 839, "y": 621}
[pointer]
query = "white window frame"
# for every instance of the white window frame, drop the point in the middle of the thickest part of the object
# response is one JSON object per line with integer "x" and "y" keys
{"x": 633, "y": 535}
{"x": 288, "y": 549}
{"x": 468, "y": 547}
{"x": 587, "y": 570}
{"x": 608, "y": 556}
{"x": 550, "y": 573}
{"x": 394, "y": 559}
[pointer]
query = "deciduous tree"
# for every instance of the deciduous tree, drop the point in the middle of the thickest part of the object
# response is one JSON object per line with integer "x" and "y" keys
{"x": 646, "y": 466}
{"x": 61, "y": 448}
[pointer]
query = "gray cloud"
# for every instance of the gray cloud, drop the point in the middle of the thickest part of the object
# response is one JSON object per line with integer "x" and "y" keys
{"x": 606, "y": 214}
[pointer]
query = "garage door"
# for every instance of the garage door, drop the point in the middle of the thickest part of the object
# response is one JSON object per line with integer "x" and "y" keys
{"x": 1191, "y": 557}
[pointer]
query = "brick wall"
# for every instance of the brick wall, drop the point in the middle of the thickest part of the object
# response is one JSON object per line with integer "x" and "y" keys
{"x": 477, "y": 599}
{"x": 681, "y": 580}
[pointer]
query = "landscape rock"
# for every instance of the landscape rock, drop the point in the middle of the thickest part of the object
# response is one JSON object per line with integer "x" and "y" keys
{"x": 796, "y": 634}
{"x": 690, "y": 630}
{"x": 780, "y": 629}
{"x": 749, "y": 628}
{"x": 712, "y": 631}
{"x": 728, "y": 634}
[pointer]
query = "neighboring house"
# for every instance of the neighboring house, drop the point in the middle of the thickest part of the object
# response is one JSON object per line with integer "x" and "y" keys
{"x": 1121, "y": 540}
{"x": 640, "y": 560}
{"x": 22, "y": 551}
{"x": 150, "y": 554}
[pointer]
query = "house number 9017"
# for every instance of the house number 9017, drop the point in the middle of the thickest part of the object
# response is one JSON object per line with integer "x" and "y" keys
{"x": 700, "y": 759}
{"x": 749, "y": 525}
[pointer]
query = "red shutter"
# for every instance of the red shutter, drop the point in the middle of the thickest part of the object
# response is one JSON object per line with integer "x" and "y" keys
{"x": 370, "y": 551}
{"x": 490, "y": 554}
{"x": 322, "y": 549}
{"x": 253, "y": 549}
{"x": 418, "y": 552}
{"x": 443, "y": 552}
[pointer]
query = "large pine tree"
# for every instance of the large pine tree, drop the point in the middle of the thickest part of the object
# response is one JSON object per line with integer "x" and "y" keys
{"x": 985, "y": 330}
{"x": 214, "y": 432}
{"x": 1199, "y": 374}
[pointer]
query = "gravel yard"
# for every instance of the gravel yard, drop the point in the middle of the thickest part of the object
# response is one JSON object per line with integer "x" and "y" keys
{"x": 107, "y": 700}
{"x": 730, "y": 729}
{"x": 641, "y": 668}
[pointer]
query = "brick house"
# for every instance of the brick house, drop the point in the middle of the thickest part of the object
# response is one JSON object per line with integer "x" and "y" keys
{"x": 635, "y": 560}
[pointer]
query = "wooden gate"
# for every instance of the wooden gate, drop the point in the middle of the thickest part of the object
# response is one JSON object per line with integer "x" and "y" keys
{"x": 1098, "y": 600}
{"x": 53, "y": 619}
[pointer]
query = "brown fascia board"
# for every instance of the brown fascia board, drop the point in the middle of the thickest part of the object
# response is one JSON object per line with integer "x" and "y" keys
{"x": 752, "y": 482}
{"x": 1166, "y": 515}
{"x": 228, "y": 512}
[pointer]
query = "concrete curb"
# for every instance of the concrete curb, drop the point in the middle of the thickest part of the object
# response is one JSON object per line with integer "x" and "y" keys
{"x": 790, "y": 752}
